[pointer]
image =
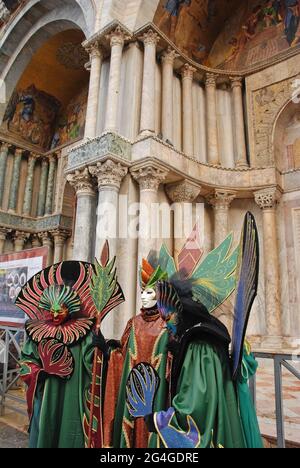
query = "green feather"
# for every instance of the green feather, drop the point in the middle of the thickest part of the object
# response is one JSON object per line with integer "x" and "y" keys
{"x": 214, "y": 280}
{"x": 103, "y": 284}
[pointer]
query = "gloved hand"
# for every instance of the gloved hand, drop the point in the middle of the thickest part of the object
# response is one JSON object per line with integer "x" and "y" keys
{"x": 99, "y": 342}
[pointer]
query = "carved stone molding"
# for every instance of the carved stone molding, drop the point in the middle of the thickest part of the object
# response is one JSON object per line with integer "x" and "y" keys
{"x": 109, "y": 174}
{"x": 82, "y": 182}
{"x": 267, "y": 199}
{"x": 117, "y": 37}
{"x": 183, "y": 192}
{"x": 150, "y": 37}
{"x": 222, "y": 199}
{"x": 169, "y": 55}
{"x": 187, "y": 72}
{"x": 149, "y": 176}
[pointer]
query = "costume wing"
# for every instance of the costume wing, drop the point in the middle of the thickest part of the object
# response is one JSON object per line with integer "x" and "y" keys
{"x": 142, "y": 385}
{"x": 248, "y": 269}
{"x": 214, "y": 280}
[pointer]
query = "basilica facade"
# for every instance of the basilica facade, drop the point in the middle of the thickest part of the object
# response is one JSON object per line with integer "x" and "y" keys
{"x": 136, "y": 120}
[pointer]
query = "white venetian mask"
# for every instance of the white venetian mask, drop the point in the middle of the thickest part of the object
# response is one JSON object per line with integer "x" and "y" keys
{"x": 149, "y": 298}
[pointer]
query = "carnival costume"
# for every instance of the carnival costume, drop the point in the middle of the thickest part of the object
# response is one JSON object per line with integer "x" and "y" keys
{"x": 60, "y": 364}
{"x": 210, "y": 401}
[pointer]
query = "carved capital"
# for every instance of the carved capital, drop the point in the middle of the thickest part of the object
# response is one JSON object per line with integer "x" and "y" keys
{"x": 60, "y": 236}
{"x": 150, "y": 38}
{"x": 236, "y": 82}
{"x": 32, "y": 158}
{"x": 82, "y": 182}
{"x": 20, "y": 238}
{"x": 109, "y": 174}
{"x": 222, "y": 199}
{"x": 45, "y": 163}
{"x": 183, "y": 192}
{"x": 19, "y": 152}
{"x": 3, "y": 233}
{"x": 35, "y": 240}
{"x": 95, "y": 50}
{"x": 187, "y": 72}
{"x": 168, "y": 56}
{"x": 45, "y": 238}
{"x": 4, "y": 148}
{"x": 117, "y": 37}
{"x": 267, "y": 199}
{"x": 210, "y": 80}
{"x": 149, "y": 177}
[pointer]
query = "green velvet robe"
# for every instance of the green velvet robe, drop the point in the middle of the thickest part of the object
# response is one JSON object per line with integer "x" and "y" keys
{"x": 59, "y": 405}
{"x": 205, "y": 392}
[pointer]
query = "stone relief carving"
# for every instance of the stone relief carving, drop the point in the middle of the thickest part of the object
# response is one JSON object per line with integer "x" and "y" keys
{"x": 266, "y": 103}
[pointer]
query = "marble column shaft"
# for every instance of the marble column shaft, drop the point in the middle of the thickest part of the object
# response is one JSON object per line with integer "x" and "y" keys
{"x": 84, "y": 235}
{"x": 180, "y": 194}
{"x": 43, "y": 188}
{"x": 149, "y": 178}
{"x": 168, "y": 58}
{"x": 240, "y": 137}
{"x": 267, "y": 200}
{"x": 212, "y": 122}
{"x": 3, "y": 161}
{"x": 60, "y": 237}
{"x": 117, "y": 39}
{"x": 29, "y": 185}
{"x": 109, "y": 176}
{"x": 50, "y": 185}
{"x": 46, "y": 240}
{"x": 96, "y": 57}
{"x": 150, "y": 40}
{"x": 15, "y": 181}
{"x": 187, "y": 103}
{"x": 221, "y": 201}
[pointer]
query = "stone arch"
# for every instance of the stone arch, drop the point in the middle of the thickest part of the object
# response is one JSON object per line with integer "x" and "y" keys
{"x": 19, "y": 43}
{"x": 286, "y": 137}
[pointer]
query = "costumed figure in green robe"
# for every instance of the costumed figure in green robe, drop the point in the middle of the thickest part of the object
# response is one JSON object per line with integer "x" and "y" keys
{"x": 210, "y": 404}
{"x": 60, "y": 361}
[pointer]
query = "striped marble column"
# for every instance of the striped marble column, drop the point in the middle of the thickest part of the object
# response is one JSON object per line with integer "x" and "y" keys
{"x": 3, "y": 161}
{"x": 27, "y": 205}
{"x": 15, "y": 181}
{"x": 50, "y": 185}
{"x": 43, "y": 188}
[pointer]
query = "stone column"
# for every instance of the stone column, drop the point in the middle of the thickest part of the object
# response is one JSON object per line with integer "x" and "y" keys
{"x": 150, "y": 40}
{"x": 221, "y": 201}
{"x": 109, "y": 176}
{"x": 96, "y": 58}
{"x": 50, "y": 185}
{"x": 46, "y": 240}
{"x": 187, "y": 106}
{"x": 60, "y": 236}
{"x": 117, "y": 39}
{"x": 43, "y": 188}
{"x": 20, "y": 238}
{"x": 267, "y": 200}
{"x": 15, "y": 181}
{"x": 35, "y": 241}
{"x": 212, "y": 122}
{"x": 29, "y": 185}
{"x": 84, "y": 235}
{"x": 149, "y": 177}
{"x": 240, "y": 138}
{"x": 181, "y": 194}
{"x": 168, "y": 58}
{"x": 3, "y": 161}
{"x": 3, "y": 235}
